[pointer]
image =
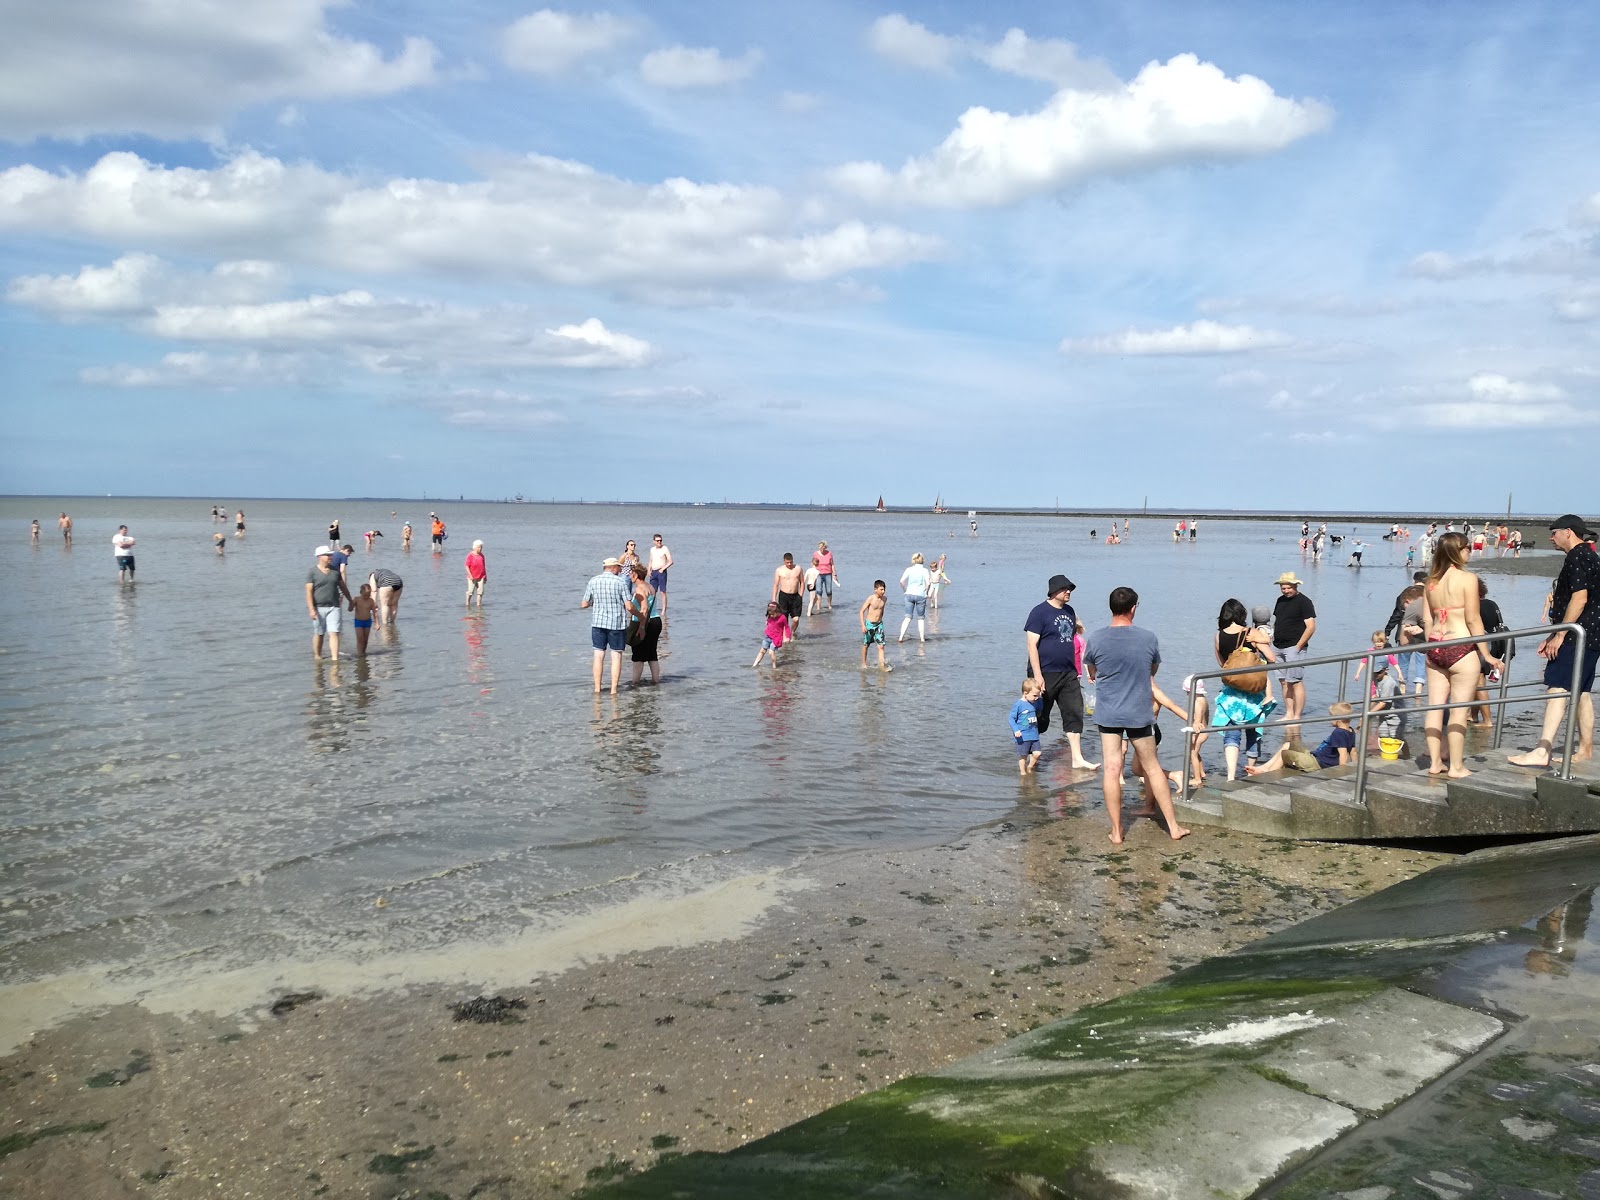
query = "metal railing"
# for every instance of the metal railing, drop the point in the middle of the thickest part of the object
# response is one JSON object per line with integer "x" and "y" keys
{"x": 1363, "y": 721}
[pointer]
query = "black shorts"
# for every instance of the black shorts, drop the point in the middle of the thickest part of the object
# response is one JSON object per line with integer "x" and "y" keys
{"x": 1062, "y": 689}
{"x": 789, "y": 603}
{"x": 1132, "y": 734}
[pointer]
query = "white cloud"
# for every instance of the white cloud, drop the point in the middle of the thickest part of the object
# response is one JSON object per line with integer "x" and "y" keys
{"x": 1484, "y": 401}
{"x": 1049, "y": 60}
{"x": 1579, "y": 304}
{"x": 535, "y": 219}
{"x": 692, "y": 67}
{"x": 548, "y": 42}
{"x": 176, "y": 68}
{"x": 1182, "y": 110}
{"x": 1588, "y": 211}
{"x": 1201, "y": 337}
{"x": 198, "y": 369}
{"x": 799, "y": 102}
{"x": 609, "y": 348}
{"x": 136, "y": 283}
{"x": 915, "y": 45}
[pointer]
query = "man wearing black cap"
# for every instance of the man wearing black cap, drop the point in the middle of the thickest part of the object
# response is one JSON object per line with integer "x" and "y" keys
{"x": 1052, "y": 660}
{"x": 1575, "y": 601}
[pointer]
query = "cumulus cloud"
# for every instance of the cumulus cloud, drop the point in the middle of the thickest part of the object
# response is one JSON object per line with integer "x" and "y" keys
{"x": 1579, "y": 304}
{"x": 535, "y": 219}
{"x": 136, "y": 283}
{"x": 906, "y": 41}
{"x": 692, "y": 67}
{"x": 1183, "y": 110}
{"x": 1486, "y": 400}
{"x": 548, "y": 42}
{"x": 177, "y": 68}
{"x": 1570, "y": 251}
{"x": 275, "y": 338}
{"x": 1201, "y": 337}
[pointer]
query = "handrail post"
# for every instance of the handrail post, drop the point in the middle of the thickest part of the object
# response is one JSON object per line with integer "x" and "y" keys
{"x": 1361, "y": 748}
{"x": 1344, "y": 678}
{"x": 1573, "y": 697}
{"x": 1505, "y": 686}
{"x": 1188, "y": 738}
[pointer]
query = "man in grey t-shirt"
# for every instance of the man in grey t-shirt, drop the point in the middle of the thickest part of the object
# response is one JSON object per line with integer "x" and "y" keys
{"x": 1122, "y": 660}
{"x": 324, "y": 587}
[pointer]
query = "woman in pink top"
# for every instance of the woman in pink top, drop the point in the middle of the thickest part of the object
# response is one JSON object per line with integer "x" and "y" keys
{"x": 477, "y": 574}
{"x": 822, "y": 560}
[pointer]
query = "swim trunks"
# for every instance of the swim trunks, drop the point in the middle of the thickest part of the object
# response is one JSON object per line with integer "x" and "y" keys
{"x": 360, "y": 624}
{"x": 873, "y": 634}
{"x": 658, "y": 580}
{"x": 1025, "y": 748}
{"x": 789, "y": 603}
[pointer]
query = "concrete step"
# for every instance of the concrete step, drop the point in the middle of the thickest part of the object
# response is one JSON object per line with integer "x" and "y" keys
{"x": 1199, "y": 808}
{"x": 1495, "y": 800}
{"x": 1328, "y": 808}
{"x": 1258, "y": 808}
{"x": 1568, "y": 804}
{"x": 1415, "y": 805}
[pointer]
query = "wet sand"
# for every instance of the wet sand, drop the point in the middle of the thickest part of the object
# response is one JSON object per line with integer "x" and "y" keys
{"x": 866, "y": 968}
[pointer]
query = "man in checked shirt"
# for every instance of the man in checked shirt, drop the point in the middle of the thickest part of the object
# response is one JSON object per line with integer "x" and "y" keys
{"x": 612, "y": 601}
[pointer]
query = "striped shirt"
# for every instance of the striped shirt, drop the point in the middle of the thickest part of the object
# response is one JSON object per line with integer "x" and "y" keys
{"x": 610, "y": 597}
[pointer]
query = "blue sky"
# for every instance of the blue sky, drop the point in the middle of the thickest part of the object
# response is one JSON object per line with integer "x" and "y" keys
{"x": 1211, "y": 253}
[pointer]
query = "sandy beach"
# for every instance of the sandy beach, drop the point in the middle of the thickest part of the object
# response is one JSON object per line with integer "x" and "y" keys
{"x": 861, "y": 969}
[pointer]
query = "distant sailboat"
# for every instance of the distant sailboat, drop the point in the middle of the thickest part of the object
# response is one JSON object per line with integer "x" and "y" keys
{"x": 880, "y": 505}
{"x": 938, "y": 503}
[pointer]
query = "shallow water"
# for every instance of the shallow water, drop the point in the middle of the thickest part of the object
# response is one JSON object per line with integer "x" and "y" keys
{"x": 188, "y": 789}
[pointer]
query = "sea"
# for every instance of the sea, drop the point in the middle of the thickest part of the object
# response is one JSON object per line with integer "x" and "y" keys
{"x": 189, "y": 795}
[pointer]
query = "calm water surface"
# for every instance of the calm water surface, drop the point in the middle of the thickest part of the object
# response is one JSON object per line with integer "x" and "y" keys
{"x": 185, "y": 785}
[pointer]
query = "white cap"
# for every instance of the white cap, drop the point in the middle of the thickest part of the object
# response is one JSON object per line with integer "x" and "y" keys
{"x": 320, "y": 551}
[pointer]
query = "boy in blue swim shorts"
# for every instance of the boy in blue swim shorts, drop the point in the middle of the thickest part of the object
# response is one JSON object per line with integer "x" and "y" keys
{"x": 1025, "y": 725}
{"x": 871, "y": 615}
{"x": 362, "y": 606}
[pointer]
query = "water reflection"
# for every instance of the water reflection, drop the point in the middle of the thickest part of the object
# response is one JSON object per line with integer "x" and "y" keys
{"x": 478, "y": 670}
{"x": 328, "y": 709}
{"x": 777, "y": 715}
{"x": 1561, "y": 931}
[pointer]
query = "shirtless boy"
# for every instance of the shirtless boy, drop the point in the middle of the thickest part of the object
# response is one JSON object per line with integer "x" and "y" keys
{"x": 363, "y": 606}
{"x": 788, "y": 591}
{"x": 872, "y": 623}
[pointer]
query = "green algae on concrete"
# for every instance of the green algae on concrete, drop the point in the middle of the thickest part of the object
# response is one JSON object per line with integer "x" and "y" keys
{"x": 1208, "y": 1084}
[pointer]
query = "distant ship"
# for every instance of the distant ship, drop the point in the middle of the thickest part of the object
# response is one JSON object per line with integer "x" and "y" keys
{"x": 880, "y": 505}
{"x": 938, "y": 504}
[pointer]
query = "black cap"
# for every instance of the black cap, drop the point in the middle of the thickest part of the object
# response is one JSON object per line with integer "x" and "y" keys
{"x": 1059, "y": 583}
{"x": 1570, "y": 521}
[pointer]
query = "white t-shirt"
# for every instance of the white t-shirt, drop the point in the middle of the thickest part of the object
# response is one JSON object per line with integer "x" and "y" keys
{"x": 121, "y": 544}
{"x": 915, "y": 580}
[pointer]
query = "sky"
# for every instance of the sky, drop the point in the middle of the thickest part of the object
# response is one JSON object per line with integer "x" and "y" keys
{"x": 1237, "y": 255}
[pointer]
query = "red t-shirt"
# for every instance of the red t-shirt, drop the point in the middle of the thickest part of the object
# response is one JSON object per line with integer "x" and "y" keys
{"x": 476, "y": 568}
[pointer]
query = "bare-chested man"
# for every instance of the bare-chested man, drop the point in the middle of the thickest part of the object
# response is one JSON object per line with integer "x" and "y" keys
{"x": 788, "y": 591}
{"x": 64, "y": 523}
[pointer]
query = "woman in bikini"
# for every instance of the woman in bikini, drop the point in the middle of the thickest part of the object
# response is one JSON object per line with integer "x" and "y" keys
{"x": 1450, "y": 610}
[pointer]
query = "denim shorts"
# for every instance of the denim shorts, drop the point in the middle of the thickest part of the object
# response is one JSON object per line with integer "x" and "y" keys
{"x": 1027, "y": 746}
{"x": 608, "y": 639}
{"x": 327, "y": 619}
{"x": 825, "y": 585}
{"x": 1414, "y": 664}
{"x": 916, "y": 606}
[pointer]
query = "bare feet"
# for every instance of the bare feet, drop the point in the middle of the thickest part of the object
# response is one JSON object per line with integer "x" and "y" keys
{"x": 1115, "y": 837}
{"x": 1083, "y": 764}
{"x": 1533, "y": 758}
{"x": 1178, "y": 831}
{"x": 1461, "y": 774}
{"x": 1147, "y": 811}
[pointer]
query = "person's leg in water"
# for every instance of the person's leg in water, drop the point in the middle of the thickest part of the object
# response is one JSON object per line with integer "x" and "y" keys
{"x": 1111, "y": 782}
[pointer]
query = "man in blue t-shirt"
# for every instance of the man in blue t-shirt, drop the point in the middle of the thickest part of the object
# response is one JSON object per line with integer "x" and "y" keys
{"x": 1121, "y": 661}
{"x": 1052, "y": 659}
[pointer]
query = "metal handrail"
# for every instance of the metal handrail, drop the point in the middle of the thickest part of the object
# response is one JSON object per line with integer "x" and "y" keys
{"x": 1497, "y": 702}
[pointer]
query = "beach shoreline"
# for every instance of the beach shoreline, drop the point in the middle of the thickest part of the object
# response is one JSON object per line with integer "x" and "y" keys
{"x": 865, "y": 967}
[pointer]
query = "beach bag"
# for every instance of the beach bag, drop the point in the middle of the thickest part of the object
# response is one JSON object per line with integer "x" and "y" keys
{"x": 1243, "y": 658}
{"x": 1501, "y": 648}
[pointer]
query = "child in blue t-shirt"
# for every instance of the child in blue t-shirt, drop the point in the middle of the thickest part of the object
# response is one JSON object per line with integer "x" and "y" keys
{"x": 1336, "y": 750}
{"x": 1025, "y": 725}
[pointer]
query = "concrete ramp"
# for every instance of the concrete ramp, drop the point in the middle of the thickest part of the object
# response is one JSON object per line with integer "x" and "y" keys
{"x": 1402, "y": 801}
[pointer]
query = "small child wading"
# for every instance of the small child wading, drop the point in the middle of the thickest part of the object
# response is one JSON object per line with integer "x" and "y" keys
{"x": 363, "y": 606}
{"x": 872, "y": 623}
{"x": 1025, "y": 725}
{"x": 777, "y": 634}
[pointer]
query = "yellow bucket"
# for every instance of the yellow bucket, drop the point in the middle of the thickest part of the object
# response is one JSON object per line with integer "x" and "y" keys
{"x": 1389, "y": 748}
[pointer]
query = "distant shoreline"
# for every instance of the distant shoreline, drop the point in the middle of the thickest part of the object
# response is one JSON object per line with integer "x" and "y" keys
{"x": 1529, "y": 521}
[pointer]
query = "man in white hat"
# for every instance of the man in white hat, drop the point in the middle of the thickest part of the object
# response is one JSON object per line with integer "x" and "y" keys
{"x": 324, "y": 586}
{"x": 612, "y": 601}
{"x": 1294, "y": 621}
